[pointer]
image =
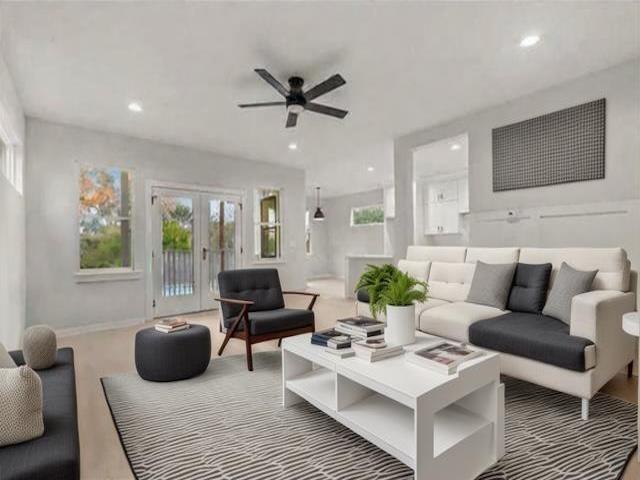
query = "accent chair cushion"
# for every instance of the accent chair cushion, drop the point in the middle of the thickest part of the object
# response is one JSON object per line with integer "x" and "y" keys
{"x": 5, "y": 359}
{"x": 21, "y": 406}
{"x": 530, "y": 335}
{"x": 529, "y": 289}
{"x": 452, "y": 320}
{"x": 271, "y": 321}
{"x": 568, "y": 283}
{"x": 259, "y": 285}
{"x": 491, "y": 284}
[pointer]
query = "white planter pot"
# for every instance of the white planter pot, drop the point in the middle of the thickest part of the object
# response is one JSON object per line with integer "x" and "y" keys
{"x": 400, "y": 329}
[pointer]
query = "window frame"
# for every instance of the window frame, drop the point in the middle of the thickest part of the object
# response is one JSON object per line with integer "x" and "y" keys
{"x": 11, "y": 161}
{"x": 364, "y": 207}
{"x": 308, "y": 233}
{"x": 90, "y": 275}
{"x": 259, "y": 194}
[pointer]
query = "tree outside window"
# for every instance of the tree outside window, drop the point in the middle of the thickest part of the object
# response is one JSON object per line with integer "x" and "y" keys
{"x": 105, "y": 208}
{"x": 370, "y": 215}
{"x": 268, "y": 226}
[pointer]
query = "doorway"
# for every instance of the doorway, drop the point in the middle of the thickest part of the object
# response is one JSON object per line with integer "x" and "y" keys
{"x": 196, "y": 235}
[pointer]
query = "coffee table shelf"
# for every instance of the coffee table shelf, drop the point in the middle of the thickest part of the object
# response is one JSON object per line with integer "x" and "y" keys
{"x": 441, "y": 426}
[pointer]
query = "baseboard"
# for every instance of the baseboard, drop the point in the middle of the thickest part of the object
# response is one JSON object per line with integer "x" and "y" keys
{"x": 98, "y": 327}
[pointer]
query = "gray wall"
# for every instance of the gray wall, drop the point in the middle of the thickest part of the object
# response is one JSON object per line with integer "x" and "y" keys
{"x": 620, "y": 187}
{"x": 12, "y": 223}
{"x": 54, "y": 152}
{"x": 340, "y": 238}
{"x": 317, "y": 264}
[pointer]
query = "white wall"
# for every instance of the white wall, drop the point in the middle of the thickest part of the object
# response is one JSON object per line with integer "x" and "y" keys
{"x": 54, "y": 152}
{"x": 342, "y": 238}
{"x": 12, "y": 222}
{"x": 317, "y": 263}
{"x": 619, "y": 191}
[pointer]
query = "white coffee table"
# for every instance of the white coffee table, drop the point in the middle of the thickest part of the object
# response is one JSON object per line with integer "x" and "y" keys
{"x": 631, "y": 325}
{"x": 443, "y": 427}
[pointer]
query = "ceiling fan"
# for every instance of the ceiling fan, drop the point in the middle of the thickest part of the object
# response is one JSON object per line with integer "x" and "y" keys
{"x": 298, "y": 101}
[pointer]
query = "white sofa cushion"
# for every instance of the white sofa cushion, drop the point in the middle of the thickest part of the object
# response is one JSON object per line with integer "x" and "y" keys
{"x": 453, "y": 320}
{"x": 450, "y": 281}
{"x": 428, "y": 305}
{"x": 436, "y": 254}
{"x": 415, "y": 268}
{"x": 612, "y": 264}
{"x": 492, "y": 255}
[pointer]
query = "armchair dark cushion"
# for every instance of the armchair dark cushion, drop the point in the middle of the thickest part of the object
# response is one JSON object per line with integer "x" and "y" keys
{"x": 363, "y": 295}
{"x": 271, "y": 321}
{"x": 529, "y": 289}
{"x": 259, "y": 285}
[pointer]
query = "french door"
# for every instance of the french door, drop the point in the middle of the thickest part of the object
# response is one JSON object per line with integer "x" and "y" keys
{"x": 196, "y": 235}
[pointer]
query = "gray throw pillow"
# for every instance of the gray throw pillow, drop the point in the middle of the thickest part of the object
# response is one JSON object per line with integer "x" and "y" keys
{"x": 491, "y": 284}
{"x": 568, "y": 283}
{"x": 5, "y": 359}
{"x": 39, "y": 347}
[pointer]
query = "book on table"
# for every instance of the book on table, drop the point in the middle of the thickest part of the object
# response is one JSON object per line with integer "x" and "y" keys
{"x": 340, "y": 353}
{"x": 360, "y": 326}
{"x": 374, "y": 349}
{"x": 444, "y": 357}
{"x": 168, "y": 325}
{"x": 331, "y": 338}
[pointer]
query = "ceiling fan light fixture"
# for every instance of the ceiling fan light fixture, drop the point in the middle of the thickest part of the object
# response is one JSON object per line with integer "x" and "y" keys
{"x": 295, "y": 108}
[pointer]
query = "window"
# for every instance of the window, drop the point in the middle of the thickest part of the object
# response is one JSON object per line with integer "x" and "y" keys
{"x": 371, "y": 215}
{"x": 268, "y": 225}
{"x": 10, "y": 164}
{"x": 105, "y": 218}
{"x": 307, "y": 233}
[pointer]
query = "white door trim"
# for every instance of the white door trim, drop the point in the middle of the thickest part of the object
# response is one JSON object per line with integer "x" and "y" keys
{"x": 150, "y": 184}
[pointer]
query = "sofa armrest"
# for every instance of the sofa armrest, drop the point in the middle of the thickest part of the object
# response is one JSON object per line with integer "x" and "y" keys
{"x": 597, "y": 314}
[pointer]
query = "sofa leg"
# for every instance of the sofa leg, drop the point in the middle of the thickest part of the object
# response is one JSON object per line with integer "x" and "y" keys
{"x": 585, "y": 409}
{"x": 630, "y": 370}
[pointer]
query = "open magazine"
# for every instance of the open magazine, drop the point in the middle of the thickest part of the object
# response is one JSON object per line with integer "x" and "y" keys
{"x": 443, "y": 357}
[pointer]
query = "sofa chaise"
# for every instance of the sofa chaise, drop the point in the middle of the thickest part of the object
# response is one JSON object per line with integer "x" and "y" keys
{"x": 576, "y": 358}
{"x": 55, "y": 455}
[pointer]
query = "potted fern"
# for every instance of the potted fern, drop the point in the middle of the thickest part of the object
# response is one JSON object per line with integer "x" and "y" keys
{"x": 394, "y": 293}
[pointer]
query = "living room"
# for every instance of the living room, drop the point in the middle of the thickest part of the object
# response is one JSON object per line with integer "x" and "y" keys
{"x": 464, "y": 173}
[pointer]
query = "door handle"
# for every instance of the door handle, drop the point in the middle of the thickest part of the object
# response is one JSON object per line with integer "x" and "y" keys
{"x": 204, "y": 253}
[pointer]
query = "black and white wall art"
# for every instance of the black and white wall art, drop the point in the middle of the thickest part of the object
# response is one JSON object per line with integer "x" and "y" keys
{"x": 559, "y": 147}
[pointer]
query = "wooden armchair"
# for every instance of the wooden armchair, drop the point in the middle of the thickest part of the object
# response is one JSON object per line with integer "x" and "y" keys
{"x": 253, "y": 309}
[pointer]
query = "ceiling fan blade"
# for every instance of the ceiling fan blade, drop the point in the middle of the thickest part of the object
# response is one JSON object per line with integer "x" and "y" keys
{"x": 267, "y": 77}
{"x": 329, "y": 84}
{"x": 326, "y": 110}
{"x": 292, "y": 119}
{"x": 263, "y": 104}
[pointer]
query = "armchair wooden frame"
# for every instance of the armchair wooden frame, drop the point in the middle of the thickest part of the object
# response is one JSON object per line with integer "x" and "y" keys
{"x": 245, "y": 333}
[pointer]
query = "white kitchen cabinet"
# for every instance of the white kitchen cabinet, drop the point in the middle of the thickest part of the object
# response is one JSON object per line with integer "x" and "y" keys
{"x": 442, "y": 191}
{"x": 444, "y": 201}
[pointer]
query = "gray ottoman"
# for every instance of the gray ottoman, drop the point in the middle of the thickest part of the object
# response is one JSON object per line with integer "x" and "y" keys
{"x": 165, "y": 357}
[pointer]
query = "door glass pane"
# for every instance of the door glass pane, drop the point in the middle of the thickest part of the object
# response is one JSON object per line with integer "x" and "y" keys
{"x": 177, "y": 246}
{"x": 222, "y": 239}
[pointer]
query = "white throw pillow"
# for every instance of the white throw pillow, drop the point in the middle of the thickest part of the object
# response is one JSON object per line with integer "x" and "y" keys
{"x": 415, "y": 268}
{"x": 20, "y": 405}
{"x": 5, "y": 359}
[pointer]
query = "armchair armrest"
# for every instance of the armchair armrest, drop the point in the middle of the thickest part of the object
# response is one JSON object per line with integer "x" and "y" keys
{"x": 234, "y": 301}
{"x": 596, "y": 315}
{"x": 309, "y": 294}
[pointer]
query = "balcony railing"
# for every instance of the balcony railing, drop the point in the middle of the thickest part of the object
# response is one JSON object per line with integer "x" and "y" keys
{"x": 178, "y": 275}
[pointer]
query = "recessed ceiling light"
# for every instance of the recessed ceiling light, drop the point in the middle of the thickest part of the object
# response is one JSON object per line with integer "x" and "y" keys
{"x": 293, "y": 146}
{"x": 456, "y": 146}
{"x": 135, "y": 107}
{"x": 370, "y": 169}
{"x": 529, "y": 41}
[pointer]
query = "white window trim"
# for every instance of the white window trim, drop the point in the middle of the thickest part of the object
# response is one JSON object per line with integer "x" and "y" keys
{"x": 12, "y": 162}
{"x": 308, "y": 230}
{"x": 257, "y": 223}
{"x": 91, "y": 275}
{"x": 375, "y": 205}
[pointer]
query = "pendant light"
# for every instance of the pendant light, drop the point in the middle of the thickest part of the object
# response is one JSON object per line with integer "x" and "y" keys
{"x": 319, "y": 215}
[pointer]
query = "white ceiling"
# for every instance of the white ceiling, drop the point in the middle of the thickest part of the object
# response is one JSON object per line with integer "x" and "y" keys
{"x": 408, "y": 65}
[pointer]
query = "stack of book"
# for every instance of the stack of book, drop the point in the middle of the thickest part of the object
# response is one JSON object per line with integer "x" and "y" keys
{"x": 170, "y": 325}
{"x": 336, "y": 343}
{"x": 443, "y": 357}
{"x": 374, "y": 349}
{"x": 362, "y": 327}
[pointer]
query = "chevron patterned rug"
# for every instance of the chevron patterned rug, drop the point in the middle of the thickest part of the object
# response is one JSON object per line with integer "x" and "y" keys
{"x": 229, "y": 424}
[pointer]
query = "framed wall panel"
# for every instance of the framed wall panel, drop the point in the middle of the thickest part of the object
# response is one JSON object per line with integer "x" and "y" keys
{"x": 559, "y": 147}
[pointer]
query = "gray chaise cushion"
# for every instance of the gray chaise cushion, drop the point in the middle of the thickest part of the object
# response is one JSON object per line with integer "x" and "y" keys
{"x": 533, "y": 336}
{"x": 259, "y": 285}
{"x": 55, "y": 455}
{"x": 272, "y": 321}
{"x": 491, "y": 284}
{"x": 529, "y": 288}
{"x": 568, "y": 283}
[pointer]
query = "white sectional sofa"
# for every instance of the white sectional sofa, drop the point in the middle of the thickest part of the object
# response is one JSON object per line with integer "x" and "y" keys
{"x": 595, "y": 328}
